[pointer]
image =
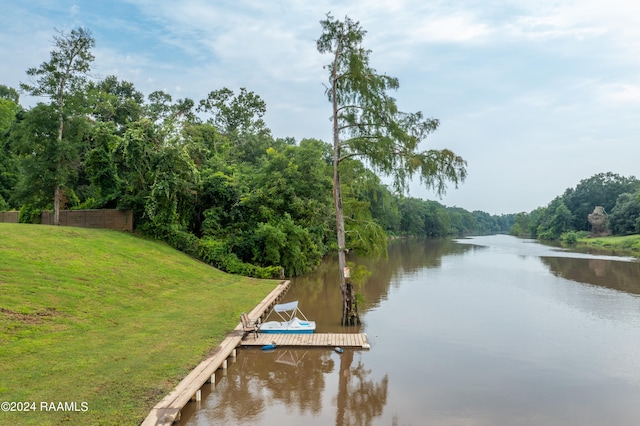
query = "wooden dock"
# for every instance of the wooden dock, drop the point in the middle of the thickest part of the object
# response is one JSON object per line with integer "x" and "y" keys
{"x": 318, "y": 340}
{"x": 167, "y": 411}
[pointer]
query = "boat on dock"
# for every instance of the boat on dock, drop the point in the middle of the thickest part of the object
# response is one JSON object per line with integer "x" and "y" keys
{"x": 290, "y": 323}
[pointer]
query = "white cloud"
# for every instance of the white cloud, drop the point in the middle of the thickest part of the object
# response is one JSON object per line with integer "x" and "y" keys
{"x": 458, "y": 27}
{"x": 621, "y": 93}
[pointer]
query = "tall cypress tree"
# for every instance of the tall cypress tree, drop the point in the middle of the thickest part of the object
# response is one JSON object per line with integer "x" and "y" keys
{"x": 368, "y": 124}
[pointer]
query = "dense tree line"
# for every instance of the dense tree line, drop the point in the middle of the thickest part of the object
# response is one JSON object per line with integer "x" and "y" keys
{"x": 569, "y": 212}
{"x": 205, "y": 176}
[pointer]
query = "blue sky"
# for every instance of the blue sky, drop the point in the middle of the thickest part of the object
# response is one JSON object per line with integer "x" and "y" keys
{"x": 536, "y": 96}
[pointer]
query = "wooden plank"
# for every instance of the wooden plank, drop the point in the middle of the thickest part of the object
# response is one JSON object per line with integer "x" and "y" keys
{"x": 354, "y": 340}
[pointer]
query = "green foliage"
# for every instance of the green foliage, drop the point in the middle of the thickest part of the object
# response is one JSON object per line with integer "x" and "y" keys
{"x": 114, "y": 101}
{"x": 63, "y": 80}
{"x": 601, "y": 189}
{"x": 368, "y": 125}
{"x": 157, "y": 178}
{"x": 367, "y": 121}
{"x": 217, "y": 253}
{"x": 10, "y": 94}
{"x": 232, "y": 113}
{"x": 65, "y": 72}
{"x": 8, "y": 159}
{"x": 29, "y": 214}
{"x": 620, "y": 244}
{"x": 8, "y": 111}
{"x": 555, "y": 220}
{"x": 286, "y": 244}
{"x": 569, "y": 212}
{"x": 625, "y": 215}
{"x": 33, "y": 139}
{"x": 522, "y": 225}
{"x": 359, "y": 274}
{"x": 570, "y": 237}
{"x": 181, "y": 240}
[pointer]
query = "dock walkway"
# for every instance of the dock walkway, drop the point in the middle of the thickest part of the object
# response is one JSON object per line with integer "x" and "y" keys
{"x": 319, "y": 340}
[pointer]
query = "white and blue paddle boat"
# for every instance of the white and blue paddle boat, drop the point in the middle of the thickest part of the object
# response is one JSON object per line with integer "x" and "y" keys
{"x": 290, "y": 322}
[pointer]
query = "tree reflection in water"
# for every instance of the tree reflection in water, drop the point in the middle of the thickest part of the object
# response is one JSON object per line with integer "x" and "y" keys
{"x": 359, "y": 400}
{"x": 259, "y": 379}
{"x": 297, "y": 381}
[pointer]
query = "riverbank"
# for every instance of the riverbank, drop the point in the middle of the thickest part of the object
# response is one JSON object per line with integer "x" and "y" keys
{"x": 628, "y": 244}
{"x": 103, "y": 324}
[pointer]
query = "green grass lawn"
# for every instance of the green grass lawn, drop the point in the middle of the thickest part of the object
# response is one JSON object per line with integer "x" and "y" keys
{"x": 105, "y": 318}
{"x": 627, "y": 244}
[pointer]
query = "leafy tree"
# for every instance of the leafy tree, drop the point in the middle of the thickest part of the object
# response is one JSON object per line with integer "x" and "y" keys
{"x": 522, "y": 225}
{"x": 488, "y": 224}
{"x": 462, "y": 221}
{"x": 368, "y": 124}
{"x": 554, "y": 220}
{"x": 100, "y": 170}
{"x": 158, "y": 178}
{"x": 412, "y": 216}
{"x": 285, "y": 209}
{"x": 41, "y": 159}
{"x": 239, "y": 119}
{"x": 364, "y": 235}
{"x": 9, "y": 108}
{"x": 61, "y": 79}
{"x": 9, "y": 93}
{"x": 283, "y": 242}
{"x": 437, "y": 222}
{"x": 625, "y": 216}
{"x": 363, "y": 190}
{"x": 230, "y": 113}
{"x": 118, "y": 102}
{"x": 223, "y": 187}
{"x": 601, "y": 189}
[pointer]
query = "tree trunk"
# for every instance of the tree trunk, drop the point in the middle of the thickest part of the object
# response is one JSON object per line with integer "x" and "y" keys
{"x": 349, "y": 307}
{"x": 56, "y": 206}
{"x": 342, "y": 414}
{"x": 56, "y": 194}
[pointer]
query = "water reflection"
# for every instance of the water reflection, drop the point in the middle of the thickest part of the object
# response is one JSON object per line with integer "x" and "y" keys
{"x": 620, "y": 276}
{"x": 320, "y": 292}
{"x": 298, "y": 381}
{"x": 259, "y": 380}
{"x": 360, "y": 399}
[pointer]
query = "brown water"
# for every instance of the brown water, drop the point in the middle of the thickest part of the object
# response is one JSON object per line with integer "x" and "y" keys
{"x": 485, "y": 331}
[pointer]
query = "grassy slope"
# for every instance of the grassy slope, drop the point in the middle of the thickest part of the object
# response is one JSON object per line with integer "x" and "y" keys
{"x": 106, "y": 318}
{"x": 626, "y": 244}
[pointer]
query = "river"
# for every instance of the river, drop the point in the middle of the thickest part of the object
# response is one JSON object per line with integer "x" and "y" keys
{"x": 490, "y": 330}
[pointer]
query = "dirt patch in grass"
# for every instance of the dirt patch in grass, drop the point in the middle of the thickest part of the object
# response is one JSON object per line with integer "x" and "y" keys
{"x": 30, "y": 319}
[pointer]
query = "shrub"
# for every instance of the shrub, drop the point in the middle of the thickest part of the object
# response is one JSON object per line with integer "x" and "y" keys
{"x": 216, "y": 253}
{"x": 184, "y": 241}
{"x": 29, "y": 214}
{"x": 570, "y": 238}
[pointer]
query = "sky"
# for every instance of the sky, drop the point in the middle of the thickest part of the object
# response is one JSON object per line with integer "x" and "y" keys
{"x": 535, "y": 96}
